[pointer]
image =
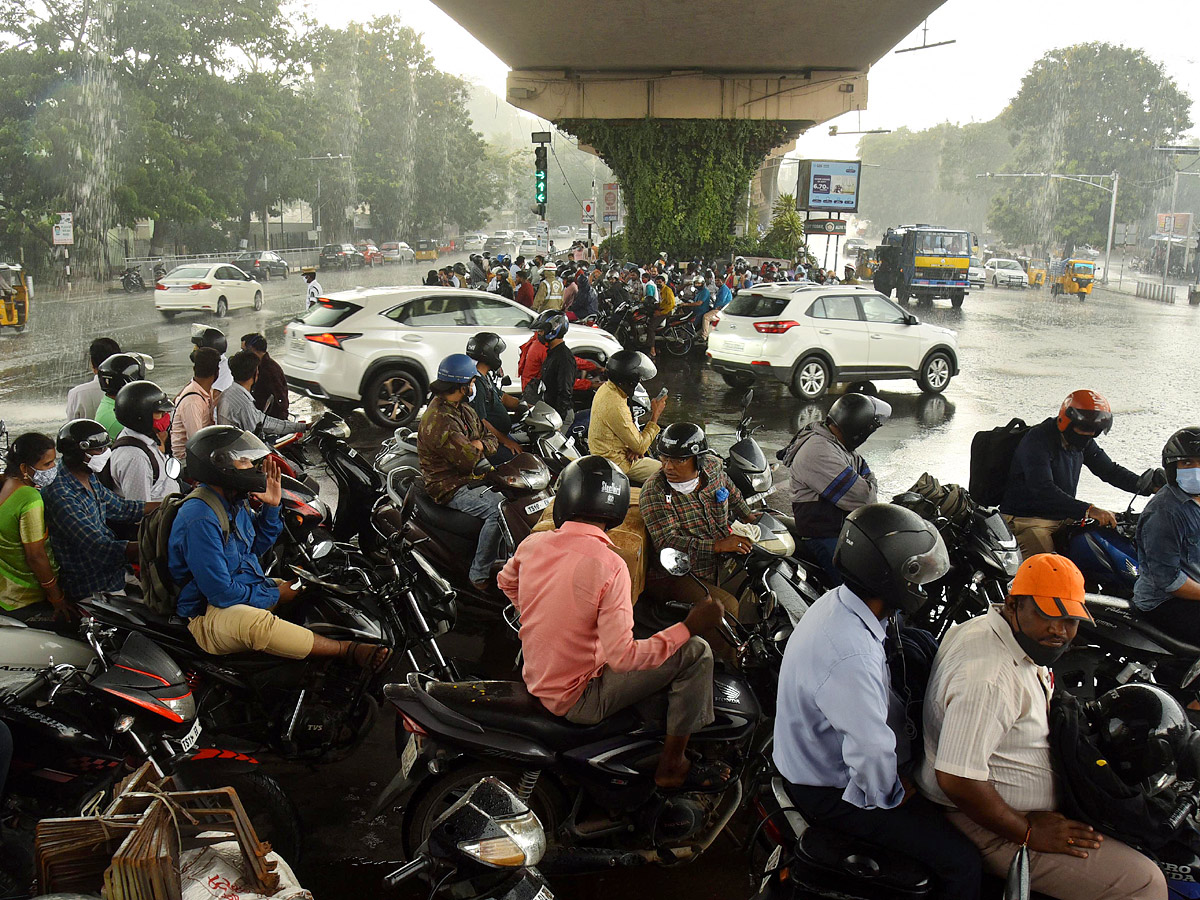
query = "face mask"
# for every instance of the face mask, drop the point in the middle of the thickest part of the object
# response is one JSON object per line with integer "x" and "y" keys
{"x": 1075, "y": 439}
{"x": 43, "y": 477}
{"x": 471, "y": 393}
{"x": 1039, "y": 653}
{"x": 1188, "y": 480}
{"x": 685, "y": 487}
{"x": 98, "y": 461}
{"x": 162, "y": 423}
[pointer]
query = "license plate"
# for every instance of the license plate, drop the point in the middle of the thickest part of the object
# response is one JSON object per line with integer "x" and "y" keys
{"x": 189, "y": 739}
{"x": 735, "y": 346}
{"x": 537, "y": 507}
{"x": 409, "y": 758}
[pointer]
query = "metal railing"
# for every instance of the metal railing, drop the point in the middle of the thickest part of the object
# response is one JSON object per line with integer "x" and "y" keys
{"x": 296, "y": 259}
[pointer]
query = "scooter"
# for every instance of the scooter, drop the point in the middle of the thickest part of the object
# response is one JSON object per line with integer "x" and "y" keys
{"x": 746, "y": 464}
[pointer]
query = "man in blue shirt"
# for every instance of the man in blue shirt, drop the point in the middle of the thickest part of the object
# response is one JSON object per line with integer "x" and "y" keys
{"x": 701, "y": 301}
{"x": 724, "y": 297}
{"x": 224, "y": 594}
{"x": 79, "y": 510}
{"x": 1167, "y": 590}
{"x": 842, "y": 733}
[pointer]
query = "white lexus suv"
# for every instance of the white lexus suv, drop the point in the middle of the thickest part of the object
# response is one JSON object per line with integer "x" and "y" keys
{"x": 811, "y": 337}
{"x": 379, "y": 348}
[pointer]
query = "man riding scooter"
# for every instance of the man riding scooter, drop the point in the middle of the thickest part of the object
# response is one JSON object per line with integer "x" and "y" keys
{"x": 490, "y": 402}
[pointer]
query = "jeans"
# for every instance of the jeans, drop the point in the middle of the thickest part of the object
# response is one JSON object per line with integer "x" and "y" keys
{"x": 820, "y": 551}
{"x": 484, "y": 503}
{"x": 918, "y": 829}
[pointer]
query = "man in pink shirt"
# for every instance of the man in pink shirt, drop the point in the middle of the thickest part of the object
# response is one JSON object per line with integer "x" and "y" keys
{"x": 194, "y": 405}
{"x": 572, "y": 591}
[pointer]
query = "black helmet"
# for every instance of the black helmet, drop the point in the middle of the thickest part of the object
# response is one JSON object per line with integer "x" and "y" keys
{"x": 1141, "y": 730}
{"x": 486, "y": 347}
{"x": 628, "y": 368}
{"x": 205, "y": 336}
{"x": 139, "y": 403}
{"x": 78, "y": 437}
{"x": 212, "y": 454}
{"x": 1183, "y": 444}
{"x": 591, "y": 488}
{"x": 460, "y": 269}
{"x": 888, "y": 551}
{"x": 683, "y": 440}
{"x": 857, "y": 417}
{"x": 119, "y": 370}
{"x": 550, "y": 326}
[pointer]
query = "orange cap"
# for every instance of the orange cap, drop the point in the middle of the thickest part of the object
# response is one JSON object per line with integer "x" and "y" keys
{"x": 1055, "y": 584}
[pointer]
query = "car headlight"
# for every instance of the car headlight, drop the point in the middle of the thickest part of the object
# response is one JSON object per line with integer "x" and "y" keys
{"x": 523, "y": 843}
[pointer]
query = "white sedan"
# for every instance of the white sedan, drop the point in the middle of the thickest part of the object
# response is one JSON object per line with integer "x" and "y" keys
{"x": 206, "y": 288}
{"x": 1005, "y": 273}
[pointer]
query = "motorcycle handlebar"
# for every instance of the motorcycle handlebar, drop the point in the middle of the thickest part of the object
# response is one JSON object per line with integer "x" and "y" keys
{"x": 1181, "y": 812}
{"x": 408, "y": 870}
{"x": 20, "y": 696}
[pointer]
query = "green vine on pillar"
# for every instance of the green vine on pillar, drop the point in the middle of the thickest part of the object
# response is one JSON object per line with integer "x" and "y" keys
{"x": 682, "y": 179}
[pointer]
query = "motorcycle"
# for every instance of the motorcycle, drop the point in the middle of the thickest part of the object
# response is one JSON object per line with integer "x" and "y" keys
{"x": 312, "y": 709}
{"x": 84, "y": 716}
{"x": 746, "y": 464}
{"x": 629, "y": 322}
{"x": 132, "y": 281}
{"x": 540, "y": 430}
{"x": 489, "y": 841}
{"x": 1106, "y": 556}
{"x": 678, "y": 332}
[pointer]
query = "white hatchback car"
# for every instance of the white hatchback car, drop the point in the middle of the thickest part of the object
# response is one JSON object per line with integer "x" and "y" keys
{"x": 204, "y": 287}
{"x": 811, "y": 337}
{"x": 379, "y": 348}
{"x": 1005, "y": 273}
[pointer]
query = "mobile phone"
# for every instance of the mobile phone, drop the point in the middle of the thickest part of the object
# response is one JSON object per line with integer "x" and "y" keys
{"x": 661, "y": 394}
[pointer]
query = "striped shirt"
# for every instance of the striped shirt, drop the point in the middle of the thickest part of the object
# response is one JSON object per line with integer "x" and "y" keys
{"x": 986, "y": 716}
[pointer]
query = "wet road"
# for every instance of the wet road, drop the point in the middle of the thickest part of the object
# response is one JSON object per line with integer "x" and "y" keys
{"x": 1020, "y": 354}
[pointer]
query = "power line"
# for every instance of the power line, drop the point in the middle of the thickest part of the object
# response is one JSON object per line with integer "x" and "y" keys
{"x": 563, "y": 172}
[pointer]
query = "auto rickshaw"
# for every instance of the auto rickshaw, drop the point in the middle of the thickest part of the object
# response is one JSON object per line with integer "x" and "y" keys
{"x": 426, "y": 250}
{"x": 1073, "y": 276}
{"x": 865, "y": 263}
{"x": 1037, "y": 270}
{"x": 14, "y": 297}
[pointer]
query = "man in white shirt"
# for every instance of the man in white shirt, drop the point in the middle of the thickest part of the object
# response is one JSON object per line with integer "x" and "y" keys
{"x": 309, "y": 274}
{"x": 84, "y": 399}
{"x": 138, "y": 466}
{"x": 987, "y": 743}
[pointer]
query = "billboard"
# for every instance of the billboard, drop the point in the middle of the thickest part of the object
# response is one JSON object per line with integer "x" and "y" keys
{"x": 1175, "y": 223}
{"x": 828, "y": 185}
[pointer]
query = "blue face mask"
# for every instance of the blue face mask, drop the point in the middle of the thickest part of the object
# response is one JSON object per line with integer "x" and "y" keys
{"x": 1189, "y": 480}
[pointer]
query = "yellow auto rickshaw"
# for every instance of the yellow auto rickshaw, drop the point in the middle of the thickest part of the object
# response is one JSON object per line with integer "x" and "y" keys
{"x": 1072, "y": 276}
{"x": 14, "y": 297}
{"x": 1037, "y": 270}
{"x": 865, "y": 263}
{"x": 426, "y": 250}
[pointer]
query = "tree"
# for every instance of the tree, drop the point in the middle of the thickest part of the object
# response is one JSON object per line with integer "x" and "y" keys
{"x": 1088, "y": 109}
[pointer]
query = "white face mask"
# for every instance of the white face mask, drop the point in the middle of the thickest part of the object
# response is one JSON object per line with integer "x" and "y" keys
{"x": 685, "y": 487}
{"x": 98, "y": 461}
{"x": 43, "y": 477}
{"x": 471, "y": 393}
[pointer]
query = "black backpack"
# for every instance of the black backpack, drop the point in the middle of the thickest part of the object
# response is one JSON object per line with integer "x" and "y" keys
{"x": 991, "y": 458}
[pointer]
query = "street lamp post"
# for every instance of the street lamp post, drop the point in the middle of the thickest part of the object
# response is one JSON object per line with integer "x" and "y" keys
{"x": 1096, "y": 181}
{"x": 317, "y": 211}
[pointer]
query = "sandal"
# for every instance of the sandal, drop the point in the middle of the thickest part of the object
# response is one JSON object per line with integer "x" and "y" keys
{"x": 373, "y": 660}
{"x": 704, "y": 778}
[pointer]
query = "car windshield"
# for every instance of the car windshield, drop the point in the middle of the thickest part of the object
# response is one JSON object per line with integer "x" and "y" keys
{"x": 1084, "y": 268}
{"x": 1008, "y": 264}
{"x": 757, "y": 305}
{"x": 975, "y": 263}
{"x": 189, "y": 272}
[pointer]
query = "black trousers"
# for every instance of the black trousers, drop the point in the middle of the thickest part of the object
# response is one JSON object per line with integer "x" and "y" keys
{"x": 1177, "y": 617}
{"x": 917, "y": 829}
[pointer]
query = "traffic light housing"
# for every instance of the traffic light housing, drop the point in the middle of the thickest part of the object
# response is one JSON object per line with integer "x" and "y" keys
{"x": 540, "y": 172}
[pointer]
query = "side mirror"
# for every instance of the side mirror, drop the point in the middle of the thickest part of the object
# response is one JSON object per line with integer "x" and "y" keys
{"x": 173, "y": 468}
{"x": 322, "y": 550}
{"x": 506, "y": 381}
{"x": 912, "y": 320}
{"x": 674, "y": 562}
{"x": 748, "y": 398}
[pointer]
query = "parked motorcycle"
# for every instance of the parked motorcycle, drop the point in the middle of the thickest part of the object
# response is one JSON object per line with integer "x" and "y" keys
{"x": 487, "y": 844}
{"x": 540, "y": 432}
{"x": 132, "y": 281}
{"x": 86, "y": 715}
{"x": 746, "y": 464}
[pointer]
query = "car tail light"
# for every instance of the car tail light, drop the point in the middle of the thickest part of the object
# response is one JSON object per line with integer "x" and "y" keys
{"x": 716, "y": 320}
{"x": 256, "y": 264}
{"x": 778, "y": 327}
{"x": 760, "y": 362}
{"x": 201, "y": 286}
{"x": 159, "y": 286}
{"x": 330, "y": 338}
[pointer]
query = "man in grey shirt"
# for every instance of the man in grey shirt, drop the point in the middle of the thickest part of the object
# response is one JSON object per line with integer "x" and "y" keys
{"x": 236, "y": 405}
{"x": 84, "y": 399}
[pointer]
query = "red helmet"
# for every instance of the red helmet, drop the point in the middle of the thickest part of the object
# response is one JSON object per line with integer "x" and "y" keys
{"x": 1086, "y": 409}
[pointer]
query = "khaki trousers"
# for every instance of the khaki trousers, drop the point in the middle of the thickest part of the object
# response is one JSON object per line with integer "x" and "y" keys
{"x": 236, "y": 629}
{"x": 683, "y": 684}
{"x": 1114, "y": 872}
{"x": 642, "y": 470}
{"x": 1035, "y": 535}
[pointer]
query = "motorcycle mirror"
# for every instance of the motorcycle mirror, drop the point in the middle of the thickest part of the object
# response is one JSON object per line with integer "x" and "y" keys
{"x": 483, "y": 467}
{"x": 747, "y": 398}
{"x": 674, "y": 562}
{"x": 173, "y": 468}
{"x": 506, "y": 381}
{"x": 322, "y": 549}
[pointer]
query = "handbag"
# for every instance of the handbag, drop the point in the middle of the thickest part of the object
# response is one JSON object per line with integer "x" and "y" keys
{"x": 1016, "y": 885}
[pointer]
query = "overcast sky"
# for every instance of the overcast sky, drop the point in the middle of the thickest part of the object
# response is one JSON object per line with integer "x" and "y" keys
{"x": 996, "y": 44}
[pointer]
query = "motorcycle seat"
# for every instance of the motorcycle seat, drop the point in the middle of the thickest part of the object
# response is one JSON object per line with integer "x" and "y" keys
{"x": 841, "y": 856}
{"x": 459, "y": 523}
{"x": 508, "y": 706}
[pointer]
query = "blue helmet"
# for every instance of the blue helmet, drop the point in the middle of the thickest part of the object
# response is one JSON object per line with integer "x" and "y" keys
{"x": 457, "y": 368}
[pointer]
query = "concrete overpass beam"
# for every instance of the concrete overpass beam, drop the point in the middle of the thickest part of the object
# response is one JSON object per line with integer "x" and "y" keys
{"x": 801, "y": 98}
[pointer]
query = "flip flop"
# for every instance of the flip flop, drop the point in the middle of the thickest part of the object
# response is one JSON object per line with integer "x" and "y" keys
{"x": 704, "y": 778}
{"x": 372, "y": 664}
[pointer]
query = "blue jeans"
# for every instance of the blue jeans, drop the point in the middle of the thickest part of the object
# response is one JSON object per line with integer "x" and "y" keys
{"x": 820, "y": 551}
{"x": 482, "y": 502}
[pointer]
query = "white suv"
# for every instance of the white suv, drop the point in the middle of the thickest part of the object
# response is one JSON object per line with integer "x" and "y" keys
{"x": 810, "y": 337}
{"x": 379, "y": 348}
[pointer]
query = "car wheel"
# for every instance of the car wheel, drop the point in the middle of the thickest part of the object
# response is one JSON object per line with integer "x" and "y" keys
{"x": 935, "y": 373}
{"x": 258, "y": 303}
{"x": 811, "y": 378}
{"x": 738, "y": 379}
{"x": 285, "y": 273}
{"x": 222, "y": 308}
{"x": 393, "y": 397}
{"x": 957, "y": 298}
{"x": 168, "y": 314}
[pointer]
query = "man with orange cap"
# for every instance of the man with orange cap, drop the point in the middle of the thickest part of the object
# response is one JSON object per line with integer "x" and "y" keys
{"x": 1039, "y": 497}
{"x": 987, "y": 743}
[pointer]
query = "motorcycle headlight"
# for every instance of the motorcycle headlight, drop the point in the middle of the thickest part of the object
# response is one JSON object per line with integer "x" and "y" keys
{"x": 1010, "y": 561}
{"x": 522, "y": 843}
{"x": 760, "y": 481}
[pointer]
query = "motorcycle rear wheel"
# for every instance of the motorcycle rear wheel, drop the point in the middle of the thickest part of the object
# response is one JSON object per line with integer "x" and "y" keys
{"x": 679, "y": 344}
{"x": 546, "y": 801}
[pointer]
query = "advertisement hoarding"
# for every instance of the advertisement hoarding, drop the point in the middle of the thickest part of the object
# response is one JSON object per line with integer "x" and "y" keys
{"x": 827, "y": 185}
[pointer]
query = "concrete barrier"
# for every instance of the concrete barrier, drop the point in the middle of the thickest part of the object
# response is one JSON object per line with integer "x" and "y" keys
{"x": 1148, "y": 290}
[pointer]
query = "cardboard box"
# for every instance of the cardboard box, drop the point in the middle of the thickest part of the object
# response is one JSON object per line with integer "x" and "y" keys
{"x": 630, "y": 540}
